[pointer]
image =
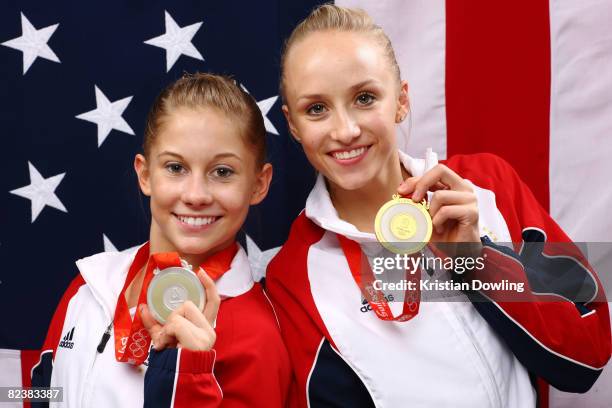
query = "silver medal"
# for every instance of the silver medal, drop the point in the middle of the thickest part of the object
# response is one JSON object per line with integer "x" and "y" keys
{"x": 170, "y": 288}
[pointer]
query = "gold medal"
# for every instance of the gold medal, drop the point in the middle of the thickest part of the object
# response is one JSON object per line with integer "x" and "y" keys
{"x": 403, "y": 226}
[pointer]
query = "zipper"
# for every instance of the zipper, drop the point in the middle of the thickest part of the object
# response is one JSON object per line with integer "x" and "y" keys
{"x": 483, "y": 359}
{"x": 88, "y": 388}
{"x": 104, "y": 339}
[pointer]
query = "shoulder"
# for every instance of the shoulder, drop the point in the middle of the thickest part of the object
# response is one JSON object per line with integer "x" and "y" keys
{"x": 303, "y": 229}
{"x": 302, "y": 235}
{"x": 483, "y": 169}
{"x": 101, "y": 271}
{"x": 54, "y": 330}
{"x": 77, "y": 283}
{"x": 512, "y": 197}
{"x": 109, "y": 258}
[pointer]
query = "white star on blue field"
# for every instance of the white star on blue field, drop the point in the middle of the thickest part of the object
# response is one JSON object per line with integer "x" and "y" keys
{"x": 41, "y": 191}
{"x": 177, "y": 41}
{"x": 33, "y": 43}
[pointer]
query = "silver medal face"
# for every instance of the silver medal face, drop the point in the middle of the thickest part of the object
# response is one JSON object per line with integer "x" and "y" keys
{"x": 170, "y": 288}
{"x": 174, "y": 296}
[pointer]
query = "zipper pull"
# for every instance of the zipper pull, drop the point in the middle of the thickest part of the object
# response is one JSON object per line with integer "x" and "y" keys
{"x": 105, "y": 338}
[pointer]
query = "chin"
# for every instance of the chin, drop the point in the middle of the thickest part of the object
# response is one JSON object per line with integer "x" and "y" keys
{"x": 193, "y": 247}
{"x": 352, "y": 182}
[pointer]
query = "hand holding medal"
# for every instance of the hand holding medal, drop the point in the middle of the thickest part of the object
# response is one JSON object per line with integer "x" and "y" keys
{"x": 172, "y": 318}
{"x": 405, "y": 225}
{"x": 186, "y": 325}
{"x": 453, "y": 206}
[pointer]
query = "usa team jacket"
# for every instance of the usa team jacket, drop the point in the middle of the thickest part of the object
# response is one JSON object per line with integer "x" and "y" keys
{"x": 452, "y": 354}
{"x": 248, "y": 367}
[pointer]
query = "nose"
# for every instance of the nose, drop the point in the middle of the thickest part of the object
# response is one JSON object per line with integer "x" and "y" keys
{"x": 346, "y": 128}
{"x": 196, "y": 192}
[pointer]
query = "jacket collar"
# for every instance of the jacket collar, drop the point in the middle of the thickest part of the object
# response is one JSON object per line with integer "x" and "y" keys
{"x": 320, "y": 209}
{"x": 105, "y": 274}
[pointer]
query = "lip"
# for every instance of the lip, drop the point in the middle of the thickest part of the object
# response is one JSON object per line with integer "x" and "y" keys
{"x": 352, "y": 161}
{"x": 195, "y": 228}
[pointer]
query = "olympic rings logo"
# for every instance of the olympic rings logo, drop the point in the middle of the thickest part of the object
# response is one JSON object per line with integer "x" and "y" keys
{"x": 140, "y": 341}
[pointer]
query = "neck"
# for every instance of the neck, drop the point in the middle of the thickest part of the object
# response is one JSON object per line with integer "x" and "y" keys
{"x": 359, "y": 206}
{"x": 132, "y": 293}
{"x": 155, "y": 246}
{"x": 158, "y": 243}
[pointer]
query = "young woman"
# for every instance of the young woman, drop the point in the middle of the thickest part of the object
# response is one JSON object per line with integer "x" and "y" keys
{"x": 343, "y": 100}
{"x": 203, "y": 166}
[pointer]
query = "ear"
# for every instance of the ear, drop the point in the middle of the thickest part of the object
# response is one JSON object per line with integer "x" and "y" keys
{"x": 292, "y": 128}
{"x": 262, "y": 184}
{"x": 142, "y": 171}
{"x": 403, "y": 103}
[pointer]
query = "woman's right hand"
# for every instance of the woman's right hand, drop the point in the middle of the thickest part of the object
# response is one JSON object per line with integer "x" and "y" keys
{"x": 187, "y": 326}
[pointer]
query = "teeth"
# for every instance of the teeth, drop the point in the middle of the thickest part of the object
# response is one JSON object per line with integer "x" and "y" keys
{"x": 197, "y": 221}
{"x": 350, "y": 154}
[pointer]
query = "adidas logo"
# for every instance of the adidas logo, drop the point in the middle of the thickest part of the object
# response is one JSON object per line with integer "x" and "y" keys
{"x": 366, "y": 306}
{"x": 67, "y": 340}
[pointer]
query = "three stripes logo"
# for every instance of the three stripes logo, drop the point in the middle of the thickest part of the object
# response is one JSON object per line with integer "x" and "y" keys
{"x": 67, "y": 340}
{"x": 365, "y": 305}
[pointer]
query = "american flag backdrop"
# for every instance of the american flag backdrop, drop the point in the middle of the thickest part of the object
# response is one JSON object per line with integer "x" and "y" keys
{"x": 529, "y": 80}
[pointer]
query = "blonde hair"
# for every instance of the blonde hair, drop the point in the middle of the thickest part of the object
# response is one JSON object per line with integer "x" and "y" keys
{"x": 329, "y": 17}
{"x": 202, "y": 90}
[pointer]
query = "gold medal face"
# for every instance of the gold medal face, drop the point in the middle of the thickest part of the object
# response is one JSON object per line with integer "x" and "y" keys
{"x": 403, "y": 226}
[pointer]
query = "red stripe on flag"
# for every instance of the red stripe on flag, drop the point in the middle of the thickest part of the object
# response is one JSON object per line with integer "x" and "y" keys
{"x": 498, "y": 84}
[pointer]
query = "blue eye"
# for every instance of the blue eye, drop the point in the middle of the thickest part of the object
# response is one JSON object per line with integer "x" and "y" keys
{"x": 175, "y": 168}
{"x": 316, "y": 109}
{"x": 365, "y": 99}
{"x": 223, "y": 172}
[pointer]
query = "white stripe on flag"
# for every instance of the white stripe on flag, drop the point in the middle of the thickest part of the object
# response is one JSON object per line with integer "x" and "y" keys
{"x": 581, "y": 143}
{"x": 10, "y": 374}
{"x": 417, "y": 30}
{"x": 581, "y": 118}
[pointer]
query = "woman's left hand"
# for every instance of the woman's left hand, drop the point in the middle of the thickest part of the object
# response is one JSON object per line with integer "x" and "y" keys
{"x": 453, "y": 205}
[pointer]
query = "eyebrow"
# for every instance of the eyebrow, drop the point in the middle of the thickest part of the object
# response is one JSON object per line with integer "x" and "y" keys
{"x": 351, "y": 89}
{"x": 167, "y": 153}
{"x": 217, "y": 156}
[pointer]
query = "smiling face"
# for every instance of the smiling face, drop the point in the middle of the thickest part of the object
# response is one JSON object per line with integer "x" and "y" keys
{"x": 201, "y": 177}
{"x": 343, "y": 100}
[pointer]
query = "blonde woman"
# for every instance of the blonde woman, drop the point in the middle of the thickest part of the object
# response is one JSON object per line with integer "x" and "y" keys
{"x": 203, "y": 164}
{"x": 343, "y": 98}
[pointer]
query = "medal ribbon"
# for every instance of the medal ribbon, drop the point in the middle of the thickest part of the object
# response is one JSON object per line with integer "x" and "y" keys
{"x": 132, "y": 339}
{"x": 364, "y": 277}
